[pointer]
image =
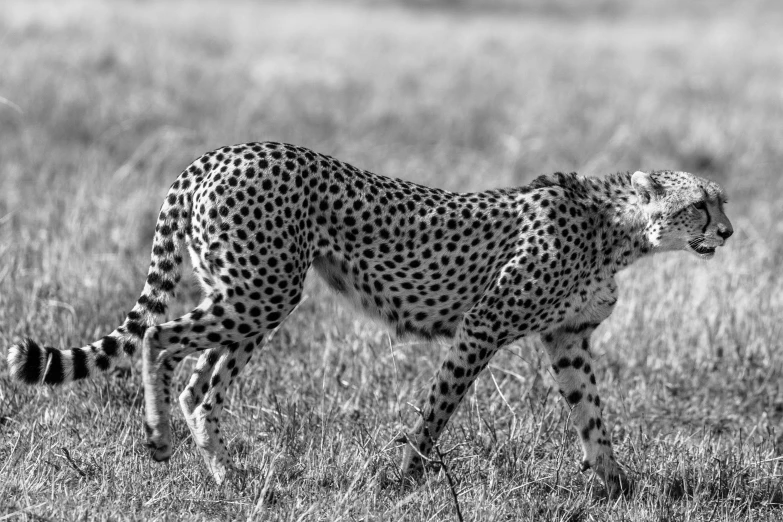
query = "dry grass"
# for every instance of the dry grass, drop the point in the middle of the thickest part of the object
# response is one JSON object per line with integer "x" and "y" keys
{"x": 103, "y": 103}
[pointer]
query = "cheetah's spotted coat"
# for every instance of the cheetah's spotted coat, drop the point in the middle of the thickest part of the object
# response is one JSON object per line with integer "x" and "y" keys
{"x": 483, "y": 269}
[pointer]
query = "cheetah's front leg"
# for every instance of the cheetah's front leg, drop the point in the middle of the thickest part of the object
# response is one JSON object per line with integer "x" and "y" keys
{"x": 569, "y": 353}
{"x": 473, "y": 347}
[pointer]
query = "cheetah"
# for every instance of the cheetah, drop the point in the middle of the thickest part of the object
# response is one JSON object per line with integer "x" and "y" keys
{"x": 481, "y": 269}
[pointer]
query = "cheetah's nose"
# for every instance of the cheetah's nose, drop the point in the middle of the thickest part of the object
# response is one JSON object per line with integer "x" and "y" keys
{"x": 725, "y": 233}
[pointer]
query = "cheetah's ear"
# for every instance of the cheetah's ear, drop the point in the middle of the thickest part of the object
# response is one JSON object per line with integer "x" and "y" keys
{"x": 645, "y": 186}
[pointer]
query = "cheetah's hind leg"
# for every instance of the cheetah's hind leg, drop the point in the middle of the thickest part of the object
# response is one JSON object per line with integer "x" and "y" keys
{"x": 164, "y": 347}
{"x": 202, "y": 401}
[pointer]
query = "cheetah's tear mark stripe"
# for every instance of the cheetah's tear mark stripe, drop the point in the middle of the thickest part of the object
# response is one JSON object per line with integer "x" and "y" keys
{"x": 709, "y": 219}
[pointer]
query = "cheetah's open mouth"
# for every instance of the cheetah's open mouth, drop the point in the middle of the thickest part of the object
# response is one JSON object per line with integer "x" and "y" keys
{"x": 702, "y": 250}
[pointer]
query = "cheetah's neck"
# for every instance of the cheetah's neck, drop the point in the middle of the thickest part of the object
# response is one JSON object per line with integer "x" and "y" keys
{"x": 622, "y": 233}
{"x": 620, "y": 230}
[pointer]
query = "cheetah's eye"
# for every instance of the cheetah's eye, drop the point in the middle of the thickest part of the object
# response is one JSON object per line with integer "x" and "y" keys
{"x": 700, "y": 205}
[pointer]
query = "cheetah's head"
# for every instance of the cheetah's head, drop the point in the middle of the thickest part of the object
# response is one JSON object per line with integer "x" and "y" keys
{"x": 683, "y": 212}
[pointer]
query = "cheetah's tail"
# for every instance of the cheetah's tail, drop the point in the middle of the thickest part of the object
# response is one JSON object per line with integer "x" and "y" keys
{"x": 31, "y": 363}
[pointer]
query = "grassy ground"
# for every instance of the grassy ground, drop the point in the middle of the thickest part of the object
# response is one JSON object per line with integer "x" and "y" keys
{"x": 101, "y": 105}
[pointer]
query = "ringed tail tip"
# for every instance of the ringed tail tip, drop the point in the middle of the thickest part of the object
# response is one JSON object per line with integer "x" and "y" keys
{"x": 27, "y": 361}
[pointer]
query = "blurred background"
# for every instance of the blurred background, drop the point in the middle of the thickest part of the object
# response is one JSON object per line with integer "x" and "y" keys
{"x": 103, "y": 103}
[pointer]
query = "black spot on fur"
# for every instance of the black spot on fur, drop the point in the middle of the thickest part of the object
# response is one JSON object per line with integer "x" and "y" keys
{"x": 109, "y": 345}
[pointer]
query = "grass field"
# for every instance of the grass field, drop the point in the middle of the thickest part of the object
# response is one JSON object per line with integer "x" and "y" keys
{"x": 103, "y": 103}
